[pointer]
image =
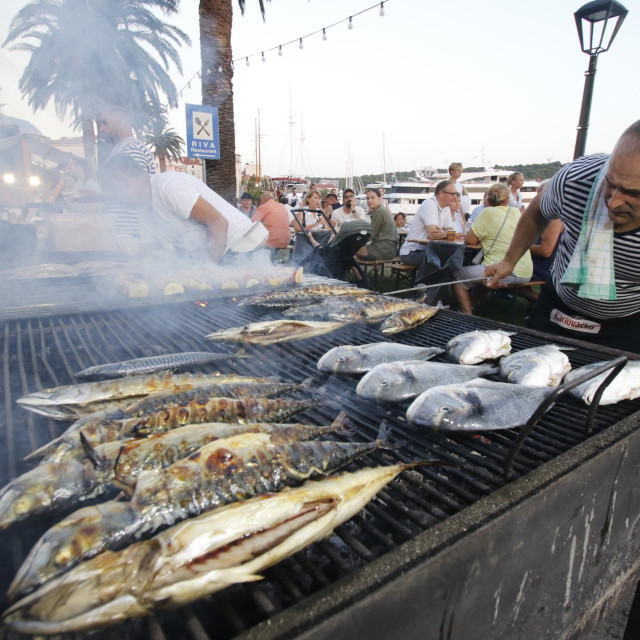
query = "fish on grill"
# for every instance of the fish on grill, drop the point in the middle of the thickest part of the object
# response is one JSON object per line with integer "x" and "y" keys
{"x": 104, "y": 426}
{"x": 153, "y": 364}
{"x": 407, "y": 319}
{"x": 53, "y": 486}
{"x": 543, "y": 366}
{"x": 360, "y": 359}
{"x": 370, "y": 312}
{"x": 321, "y": 310}
{"x": 625, "y": 386}
{"x": 403, "y": 380}
{"x": 224, "y": 471}
{"x": 476, "y": 405}
{"x": 475, "y": 346}
{"x": 196, "y": 557}
{"x": 303, "y": 296}
{"x": 274, "y": 331}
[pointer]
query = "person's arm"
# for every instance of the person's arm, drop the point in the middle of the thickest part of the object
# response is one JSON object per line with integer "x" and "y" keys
{"x": 216, "y": 225}
{"x": 548, "y": 240}
{"x": 435, "y": 232}
{"x": 530, "y": 227}
{"x": 376, "y": 223}
{"x": 471, "y": 238}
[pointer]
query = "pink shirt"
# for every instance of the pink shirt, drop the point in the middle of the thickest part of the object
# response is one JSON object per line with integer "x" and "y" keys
{"x": 275, "y": 218}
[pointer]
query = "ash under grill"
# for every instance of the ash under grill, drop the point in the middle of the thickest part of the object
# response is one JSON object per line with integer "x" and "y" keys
{"x": 44, "y": 352}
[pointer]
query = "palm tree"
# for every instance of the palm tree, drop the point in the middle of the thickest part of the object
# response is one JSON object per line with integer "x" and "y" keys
{"x": 217, "y": 89}
{"x": 86, "y": 54}
{"x": 162, "y": 139}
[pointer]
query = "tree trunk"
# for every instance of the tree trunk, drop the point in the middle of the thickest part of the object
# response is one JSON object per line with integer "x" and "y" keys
{"x": 89, "y": 137}
{"x": 162, "y": 161}
{"x": 215, "y": 46}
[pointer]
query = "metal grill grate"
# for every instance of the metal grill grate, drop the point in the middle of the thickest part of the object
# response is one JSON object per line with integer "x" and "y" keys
{"x": 44, "y": 352}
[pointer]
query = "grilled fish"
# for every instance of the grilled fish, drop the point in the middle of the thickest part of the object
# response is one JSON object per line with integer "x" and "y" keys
{"x": 403, "y": 380}
{"x": 370, "y": 312}
{"x": 477, "y": 405}
{"x": 274, "y": 331}
{"x": 103, "y": 422}
{"x": 360, "y": 359}
{"x": 475, "y": 346}
{"x": 152, "y": 364}
{"x": 196, "y": 557}
{"x": 52, "y": 486}
{"x": 407, "y": 319}
{"x": 219, "y": 473}
{"x": 321, "y": 310}
{"x": 543, "y": 366}
{"x": 303, "y": 296}
{"x": 625, "y": 386}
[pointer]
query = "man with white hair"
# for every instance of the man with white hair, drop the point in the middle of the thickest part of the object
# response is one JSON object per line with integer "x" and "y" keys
{"x": 594, "y": 292}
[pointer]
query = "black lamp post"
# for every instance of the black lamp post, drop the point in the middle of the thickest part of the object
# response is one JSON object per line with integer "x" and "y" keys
{"x": 601, "y": 20}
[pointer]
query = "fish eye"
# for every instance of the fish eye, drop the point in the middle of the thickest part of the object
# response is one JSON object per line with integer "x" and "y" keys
{"x": 384, "y": 383}
{"x": 341, "y": 359}
{"x": 445, "y": 409}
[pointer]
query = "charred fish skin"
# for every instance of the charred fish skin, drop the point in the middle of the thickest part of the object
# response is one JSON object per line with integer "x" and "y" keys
{"x": 151, "y": 364}
{"x": 222, "y": 472}
{"x": 196, "y": 557}
{"x": 404, "y": 380}
{"x": 476, "y": 405}
{"x": 407, "y": 319}
{"x": 321, "y": 310}
{"x": 474, "y": 347}
{"x": 306, "y": 295}
{"x": 543, "y": 366}
{"x": 351, "y": 359}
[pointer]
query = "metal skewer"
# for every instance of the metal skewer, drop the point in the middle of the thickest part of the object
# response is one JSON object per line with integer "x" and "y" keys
{"x": 420, "y": 287}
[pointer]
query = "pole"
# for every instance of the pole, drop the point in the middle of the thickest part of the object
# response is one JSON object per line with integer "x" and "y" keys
{"x": 585, "y": 110}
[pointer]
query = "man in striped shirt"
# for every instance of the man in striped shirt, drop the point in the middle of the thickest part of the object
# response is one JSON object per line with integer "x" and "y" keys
{"x": 116, "y": 129}
{"x": 560, "y": 309}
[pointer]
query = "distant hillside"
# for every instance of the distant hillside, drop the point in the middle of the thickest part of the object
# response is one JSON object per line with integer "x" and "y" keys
{"x": 531, "y": 172}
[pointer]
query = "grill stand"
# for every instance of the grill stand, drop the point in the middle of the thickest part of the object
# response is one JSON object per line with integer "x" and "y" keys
{"x": 573, "y": 537}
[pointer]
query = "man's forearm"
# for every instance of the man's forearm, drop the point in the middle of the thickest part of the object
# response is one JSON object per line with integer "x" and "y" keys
{"x": 531, "y": 226}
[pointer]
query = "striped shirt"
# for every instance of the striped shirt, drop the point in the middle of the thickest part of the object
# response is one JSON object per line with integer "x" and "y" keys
{"x": 566, "y": 198}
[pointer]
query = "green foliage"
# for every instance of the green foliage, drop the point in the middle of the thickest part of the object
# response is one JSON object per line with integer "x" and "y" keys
{"x": 161, "y": 138}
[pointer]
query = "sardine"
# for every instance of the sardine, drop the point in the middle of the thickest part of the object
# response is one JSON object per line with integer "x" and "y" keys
{"x": 152, "y": 364}
{"x": 108, "y": 421}
{"x": 219, "y": 473}
{"x": 274, "y": 331}
{"x": 53, "y": 486}
{"x": 398, "y": 381}
{"x": 360, "y": 359}
{"x": 543, "y": 366}
{"x": 625, "y": 386}
{"x": 477, "y": 405}
{"x": 302, "y": 296}
{"x": 407, "y": 319}
{"x": 368, "y": 312}
{"x": 475, "y": 346}
{"x": 196, "y": 557}
{"x": 321, "y": 310}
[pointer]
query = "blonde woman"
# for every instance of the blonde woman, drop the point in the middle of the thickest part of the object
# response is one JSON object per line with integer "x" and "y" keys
{"x": 312, "y": 221}
{"x": 515, "y": 182}
{"x": 493, "y": 229}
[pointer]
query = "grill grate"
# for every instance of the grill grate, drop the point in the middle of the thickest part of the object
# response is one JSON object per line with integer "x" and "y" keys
{"x": 44, "y": 352}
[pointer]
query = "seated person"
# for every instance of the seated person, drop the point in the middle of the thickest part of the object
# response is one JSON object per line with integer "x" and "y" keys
{"x": 313, "y": 221}
{"x": 401, "y": 222}
{"x": 349, "y": 209}
{"x": 493, "y": 229}
{"x": 384, "y": 237}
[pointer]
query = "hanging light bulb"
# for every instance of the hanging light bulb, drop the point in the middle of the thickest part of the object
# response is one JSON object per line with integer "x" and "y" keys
{"x": 350, "y": 23}
{"x": 209, "y": 72}
{"x": 382, "y": 9}
{"x": 189, "y": 84}
{"x": 280, "y": 50}
{"x": 324, "y": 34}
{"x": 263, "y": 58}
{"x": 301, "y": 45}
{"x": 220, "y": 68}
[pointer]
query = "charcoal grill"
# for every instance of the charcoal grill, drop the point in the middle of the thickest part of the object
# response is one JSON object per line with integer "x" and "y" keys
{"x": 456, "y": 553}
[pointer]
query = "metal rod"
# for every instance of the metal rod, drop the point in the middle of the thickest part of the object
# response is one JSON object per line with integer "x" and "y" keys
{"x": 420, "y": 287}
{"x": 595, "y": 403}
{"x": 585, "y": 109}
{"x": 546, "y": 404}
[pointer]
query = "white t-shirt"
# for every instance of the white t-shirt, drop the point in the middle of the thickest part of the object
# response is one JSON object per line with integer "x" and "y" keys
{"x": 340, "y": 216}
{"x": 295, "y": 200}
{"x": 516, "y": 203}
{"x": 429, "y": 212}
{"x": 174, "y": 194}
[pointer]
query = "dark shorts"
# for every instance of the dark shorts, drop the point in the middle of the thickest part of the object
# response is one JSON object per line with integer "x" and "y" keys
{"x": 552, "y": 315}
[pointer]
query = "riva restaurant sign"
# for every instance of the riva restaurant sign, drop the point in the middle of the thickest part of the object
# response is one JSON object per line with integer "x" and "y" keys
{"x": 203, "y": 138}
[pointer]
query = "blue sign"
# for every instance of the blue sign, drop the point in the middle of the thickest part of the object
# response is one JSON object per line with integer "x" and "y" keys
{"x": 203, "y": 136}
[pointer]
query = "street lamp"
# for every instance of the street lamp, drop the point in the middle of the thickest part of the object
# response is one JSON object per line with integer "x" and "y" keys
{"x": 601, "y": 20}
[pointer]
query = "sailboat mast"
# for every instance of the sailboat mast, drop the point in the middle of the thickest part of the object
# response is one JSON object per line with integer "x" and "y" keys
{"x": 384, "y": 164}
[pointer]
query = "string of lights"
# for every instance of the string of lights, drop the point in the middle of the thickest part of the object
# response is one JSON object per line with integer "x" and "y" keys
{"x": 299, "y": 41}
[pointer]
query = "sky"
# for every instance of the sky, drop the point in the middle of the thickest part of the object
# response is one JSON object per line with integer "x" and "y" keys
{"x": 491, "y": 82}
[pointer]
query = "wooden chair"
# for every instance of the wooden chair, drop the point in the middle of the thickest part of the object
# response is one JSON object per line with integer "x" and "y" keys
{"x": 377, "y": 266}
{"x": 404, "y": 273}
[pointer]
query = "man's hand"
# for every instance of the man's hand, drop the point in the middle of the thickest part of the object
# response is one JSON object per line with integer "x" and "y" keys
{"x": 437, "y": 234}
{"x": 497, "y": 271}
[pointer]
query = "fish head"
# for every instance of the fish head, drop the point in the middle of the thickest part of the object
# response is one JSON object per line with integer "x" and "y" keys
{"x": 340, "y": 360}
{"x": 448, "y": 407}
{"x": 384, "y": 384}
{"x": 466, "y": 351}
